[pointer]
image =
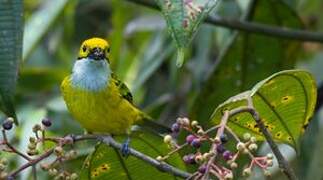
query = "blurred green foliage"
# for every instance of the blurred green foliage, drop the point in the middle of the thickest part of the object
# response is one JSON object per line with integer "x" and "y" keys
{"x": 143, "y": 55}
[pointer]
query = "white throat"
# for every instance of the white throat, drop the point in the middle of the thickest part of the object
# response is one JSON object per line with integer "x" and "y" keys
{"x": 90, "y": 74}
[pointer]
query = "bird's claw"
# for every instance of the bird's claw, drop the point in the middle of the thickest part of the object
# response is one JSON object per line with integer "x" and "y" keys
{"x": 125, "y": 149}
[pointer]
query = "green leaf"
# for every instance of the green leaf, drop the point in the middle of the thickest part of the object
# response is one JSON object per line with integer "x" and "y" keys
{"x": 249, "y": 58}
{"x": 107, "y": 163}
{"x": 183, "y": 19}
{"x": 46, "y": 77}
{"x": 285, "y": 102}
{"x": 10, "y": 52}
{"x": 39, "y": 24}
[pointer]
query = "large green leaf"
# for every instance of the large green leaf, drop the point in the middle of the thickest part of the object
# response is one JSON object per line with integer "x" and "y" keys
{"x": 285, "y": 102}
{"x": 107, "y": 163}
{"x": 248, "y": 59}
{"x": 183, "y": 19}
{"x": 10, "y": 52}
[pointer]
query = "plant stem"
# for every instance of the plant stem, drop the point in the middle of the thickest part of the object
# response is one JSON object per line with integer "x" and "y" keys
{"x": 275, "y": 31}
{"x": 13, "y": 149}
{"x": 222, "y": 125}
{"x": 283, "y": 163}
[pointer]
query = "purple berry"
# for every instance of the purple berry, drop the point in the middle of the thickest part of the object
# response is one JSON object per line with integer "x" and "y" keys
{"x": 190, "y": 138}
{"x": 220, "y": 148}
{"x": 46, "y": 122}
{"x": 224, "y": 138}
{"x": 202, "y": 169}
{"x": 189, "y": 159}
{"x": 175, "y": 128}
{"x": 227, "y": 155}
{"x": 196, "y": 143}
{"x": 7, "y": 124}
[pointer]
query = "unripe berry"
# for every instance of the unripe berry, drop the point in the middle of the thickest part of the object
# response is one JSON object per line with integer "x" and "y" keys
{"x": 32, "y": 139}
{"x": 206, "y": 156}
{"x": 233, "y": 165}
{"x": 190, "y": 138}
{"x": 7, "y": 124}
{"x": 36, "y": 128}
{"x": 46, "y": 122}
{"x": 58, "y": 150}
{"x": 32, "y": 152}
{"x": 217, "y": 140}
{"x": 2, "y": 167}
{"x": 159, "y": 158}
{"x": 270, "y": 162}
{"x": 186, "y": 121}
{"x": 44, "y": 166}
{"x": 200, "y": 132}
{"x": 32, "y": 146}
{"x": 241, "y": 146}
{"x": 228, "y": 176}
{"x": 74, "y": 176}
{"x": 175, "y": 128}
{"x": 253, "y": 147}
{"x": 246, "y": 172}
{"x": 269, "y": 156}
{"x": 227, "y": 155}
{"x": 4, "y": 161}
{"x": 199, "y": 158}
{"x": 52, "y": 172}
{"x": 194, "y": 123}
{"x": 267, "y": 173}
{"x": 196, "y": 143}
{"x": 253, "y": 139}
{"x": 246, "y": 136}
{"x": 167, "y": 139}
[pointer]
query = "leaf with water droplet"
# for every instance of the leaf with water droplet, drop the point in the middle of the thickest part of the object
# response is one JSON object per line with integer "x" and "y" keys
{"x": 285, "y": 102}
{"x": 183, "y": 19}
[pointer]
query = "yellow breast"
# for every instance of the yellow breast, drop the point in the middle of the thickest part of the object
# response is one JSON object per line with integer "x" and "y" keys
{"x": 102, "y": 111}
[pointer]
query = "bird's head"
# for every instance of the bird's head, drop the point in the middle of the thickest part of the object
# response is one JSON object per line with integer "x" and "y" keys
{"x": 95, "y": 48}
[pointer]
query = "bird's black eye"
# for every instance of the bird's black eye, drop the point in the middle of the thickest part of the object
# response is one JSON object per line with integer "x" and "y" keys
{"x": 108, "y": 50}
{"x": 84, "y": 48}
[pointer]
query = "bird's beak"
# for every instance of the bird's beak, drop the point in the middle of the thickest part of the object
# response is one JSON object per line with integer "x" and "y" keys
{"x": 97, "y": 54}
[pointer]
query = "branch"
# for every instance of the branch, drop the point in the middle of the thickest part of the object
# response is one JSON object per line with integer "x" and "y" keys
{"x": 281, "y": 32}
{"x": 162, "y": 166}
{"x": 283, "y": 164}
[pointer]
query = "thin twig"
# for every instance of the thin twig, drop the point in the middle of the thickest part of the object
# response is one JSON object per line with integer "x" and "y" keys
{"x": 31, "y": 163}
{"x": 13, "y": 149}
{"x": 275, "y": 31}
{"x": 223, "y": 123}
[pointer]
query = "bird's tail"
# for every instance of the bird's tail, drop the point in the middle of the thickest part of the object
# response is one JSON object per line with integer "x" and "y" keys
{"x": 150, "y": 124}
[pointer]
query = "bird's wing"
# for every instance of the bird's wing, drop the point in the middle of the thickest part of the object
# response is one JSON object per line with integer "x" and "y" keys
{"x": 145, "y": 121}
{"x": 123, "y": 89}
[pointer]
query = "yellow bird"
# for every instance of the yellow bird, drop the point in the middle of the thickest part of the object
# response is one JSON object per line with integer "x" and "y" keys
{"x": 96, "y": 98}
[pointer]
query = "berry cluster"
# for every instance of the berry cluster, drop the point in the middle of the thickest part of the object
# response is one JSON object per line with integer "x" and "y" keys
{"x": 37, "y": 153}
{"x": 219, "y": 161}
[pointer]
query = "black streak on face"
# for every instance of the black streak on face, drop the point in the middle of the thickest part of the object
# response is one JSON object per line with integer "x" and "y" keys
{"x": 97, "y": 54}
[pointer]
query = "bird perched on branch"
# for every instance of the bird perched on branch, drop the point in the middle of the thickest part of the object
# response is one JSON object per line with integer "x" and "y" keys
{"x": 97, "y": 99}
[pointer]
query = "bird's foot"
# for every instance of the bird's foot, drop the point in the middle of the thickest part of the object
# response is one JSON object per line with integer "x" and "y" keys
{"x": 125, "y": 149}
